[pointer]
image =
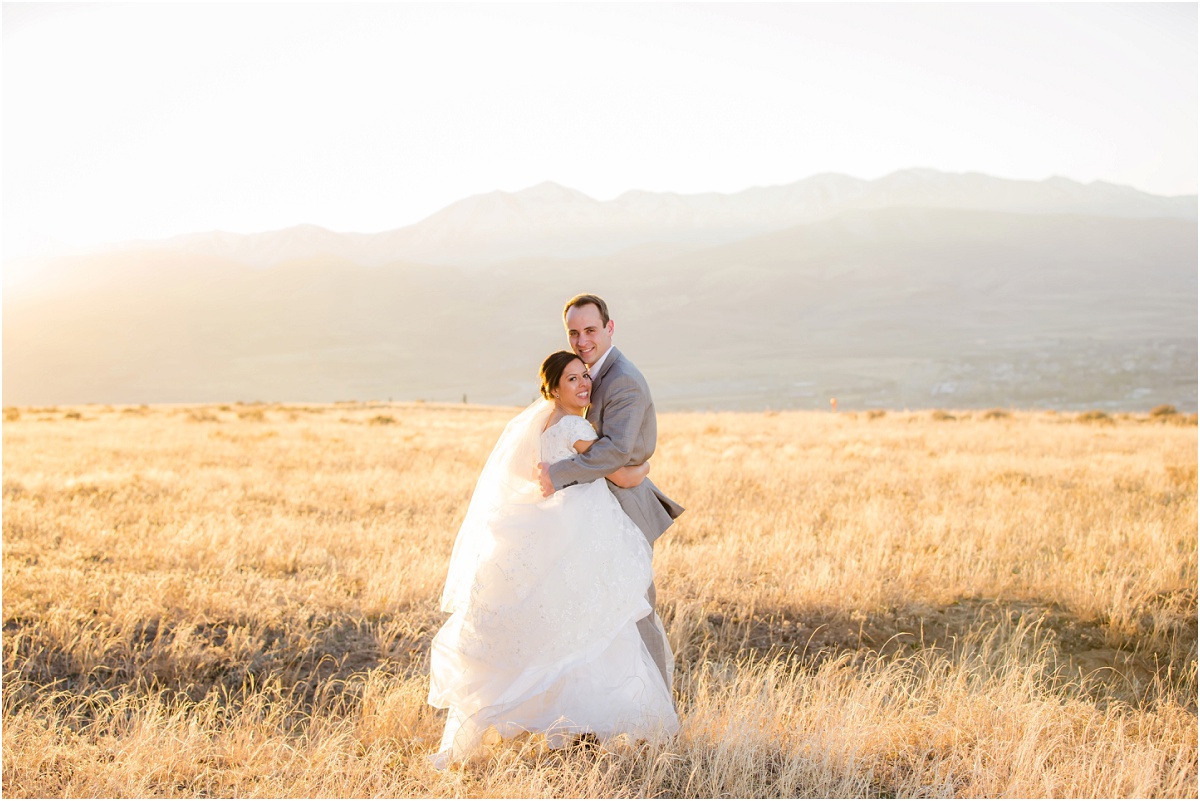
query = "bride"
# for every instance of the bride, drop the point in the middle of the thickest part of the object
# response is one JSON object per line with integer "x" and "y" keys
{"x": 546, "y": 595}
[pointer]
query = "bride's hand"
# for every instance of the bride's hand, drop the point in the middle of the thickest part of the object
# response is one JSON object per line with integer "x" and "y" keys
{"x": 543, "y": 477}
{"x": 630, "y": 476}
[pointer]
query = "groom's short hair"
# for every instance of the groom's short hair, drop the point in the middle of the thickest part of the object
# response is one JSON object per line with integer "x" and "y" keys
{"x": 584, "y": 300}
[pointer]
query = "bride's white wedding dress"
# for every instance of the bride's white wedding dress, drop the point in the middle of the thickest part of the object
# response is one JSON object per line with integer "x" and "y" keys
{"x": 545, "y": 596}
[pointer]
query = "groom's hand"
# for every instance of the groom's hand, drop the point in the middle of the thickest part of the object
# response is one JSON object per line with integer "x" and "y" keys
{"x": 544, "y": 478}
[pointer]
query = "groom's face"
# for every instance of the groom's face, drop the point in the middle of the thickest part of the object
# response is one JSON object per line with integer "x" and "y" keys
{"x": 590, "y": 338}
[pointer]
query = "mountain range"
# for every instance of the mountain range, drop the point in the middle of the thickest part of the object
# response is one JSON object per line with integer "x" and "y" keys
{"x": 919, "y": 289}
{"x": 552, "y": 220}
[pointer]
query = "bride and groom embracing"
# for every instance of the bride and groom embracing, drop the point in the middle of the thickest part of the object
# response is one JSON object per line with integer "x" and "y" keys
{"x": 550, "y": 586}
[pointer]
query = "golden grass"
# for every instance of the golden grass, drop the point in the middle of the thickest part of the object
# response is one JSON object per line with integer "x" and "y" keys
{"x": 238, "y": 600}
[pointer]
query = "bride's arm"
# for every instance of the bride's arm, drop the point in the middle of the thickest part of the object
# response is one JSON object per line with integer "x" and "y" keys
{"x": 626, "y": 477}
{"x": 630, "y": 475}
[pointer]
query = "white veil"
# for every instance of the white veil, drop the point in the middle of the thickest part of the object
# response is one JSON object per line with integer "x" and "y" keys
{"x": 509, "y": 477}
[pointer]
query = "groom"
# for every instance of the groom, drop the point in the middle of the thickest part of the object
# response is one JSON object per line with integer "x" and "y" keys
{"x": 623, "y": 414}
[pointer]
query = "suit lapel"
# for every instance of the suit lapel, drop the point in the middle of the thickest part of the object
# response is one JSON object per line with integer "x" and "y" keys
{"x": 613, "y": 355}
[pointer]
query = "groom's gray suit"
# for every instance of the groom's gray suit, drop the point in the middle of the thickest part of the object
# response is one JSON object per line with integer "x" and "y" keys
{"x": 623, "y": 414}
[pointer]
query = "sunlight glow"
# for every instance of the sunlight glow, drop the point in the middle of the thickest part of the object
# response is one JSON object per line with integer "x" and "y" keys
{"x": 148, "y": 120}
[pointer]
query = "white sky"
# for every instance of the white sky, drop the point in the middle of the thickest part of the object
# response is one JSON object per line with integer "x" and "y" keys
{"x": 148, "y": 120}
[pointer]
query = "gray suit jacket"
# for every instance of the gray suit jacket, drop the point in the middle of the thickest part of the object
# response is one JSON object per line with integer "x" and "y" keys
{"x": 623, "y": 415}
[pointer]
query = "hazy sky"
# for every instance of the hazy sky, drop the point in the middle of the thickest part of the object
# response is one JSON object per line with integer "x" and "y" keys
{"x": 148, "y": 120}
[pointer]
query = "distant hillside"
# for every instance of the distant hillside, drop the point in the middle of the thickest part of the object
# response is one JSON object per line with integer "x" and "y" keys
{"x": 886, "y": 307}
{"x": 551, "y": 220}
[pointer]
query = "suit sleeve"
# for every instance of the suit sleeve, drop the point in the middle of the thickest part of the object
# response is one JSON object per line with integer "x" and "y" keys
{"x": 623, "y": 415}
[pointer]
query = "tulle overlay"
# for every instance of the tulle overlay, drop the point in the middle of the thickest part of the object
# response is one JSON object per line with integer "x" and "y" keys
{"x": 545, "y": 596}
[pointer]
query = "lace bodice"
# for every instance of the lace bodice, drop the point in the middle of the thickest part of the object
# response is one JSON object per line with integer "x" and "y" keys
{"x": 556, "y": 441}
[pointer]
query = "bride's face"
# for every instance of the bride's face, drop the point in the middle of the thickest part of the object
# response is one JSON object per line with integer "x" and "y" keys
{"x": 575, "y": 387}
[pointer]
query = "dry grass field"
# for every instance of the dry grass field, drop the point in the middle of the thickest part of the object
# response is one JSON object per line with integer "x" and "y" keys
{"x": 238, "y": 601}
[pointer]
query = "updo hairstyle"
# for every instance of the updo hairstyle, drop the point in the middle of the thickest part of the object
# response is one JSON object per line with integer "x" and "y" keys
{"x": 552, "y": 371}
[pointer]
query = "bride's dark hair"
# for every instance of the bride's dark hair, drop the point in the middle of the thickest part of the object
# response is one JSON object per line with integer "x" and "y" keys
{"x": 552, "y": 371}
